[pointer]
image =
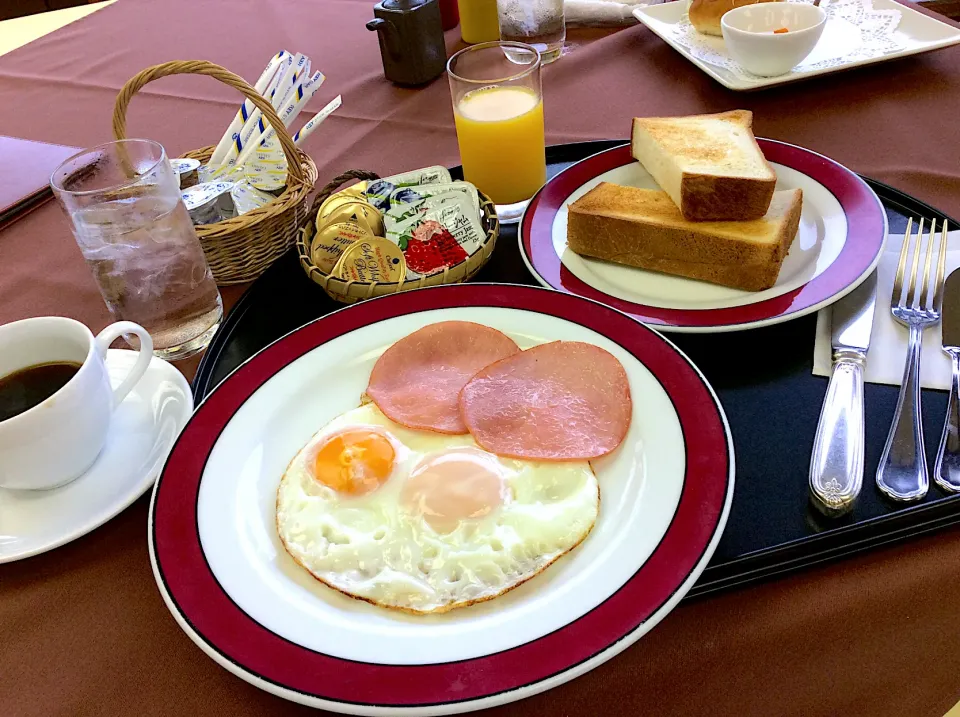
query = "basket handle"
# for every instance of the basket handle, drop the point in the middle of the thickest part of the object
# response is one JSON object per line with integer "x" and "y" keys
{"x": 202, "y": 67}
{"x": 334, "y": 184}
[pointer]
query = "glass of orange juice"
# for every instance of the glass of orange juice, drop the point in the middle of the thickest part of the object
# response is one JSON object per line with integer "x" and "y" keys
{"x": 479, "y": 21}
{"x": 498, "y": 111}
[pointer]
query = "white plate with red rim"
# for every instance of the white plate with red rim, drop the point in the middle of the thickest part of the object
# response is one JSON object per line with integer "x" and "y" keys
{"x": 843, "y": 227}
{"x": 665, "y": 497}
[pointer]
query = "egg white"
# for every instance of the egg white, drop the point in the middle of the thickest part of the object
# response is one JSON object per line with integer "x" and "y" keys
{"x": 372, "y": 548}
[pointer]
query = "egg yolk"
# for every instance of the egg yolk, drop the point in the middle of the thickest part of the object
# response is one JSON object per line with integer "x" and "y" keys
{"x": 453, "y": 486}
{"x": 354, "y": 462}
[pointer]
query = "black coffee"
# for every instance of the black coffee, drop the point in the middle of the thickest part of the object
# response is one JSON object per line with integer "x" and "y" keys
{"x": 22, "y": 390}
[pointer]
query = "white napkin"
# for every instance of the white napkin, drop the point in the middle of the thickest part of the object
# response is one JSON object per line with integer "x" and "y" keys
{"x": 602, "y": 13}
{"x": 888, "y": 342}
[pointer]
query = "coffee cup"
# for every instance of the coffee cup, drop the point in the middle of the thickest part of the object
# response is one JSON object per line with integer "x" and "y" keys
{"x": 58, "y": 439}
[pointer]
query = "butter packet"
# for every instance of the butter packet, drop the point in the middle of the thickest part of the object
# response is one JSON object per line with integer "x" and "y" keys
{"x": 444, "y": 235}
{"x": 332, "y": 241}
{"x": 371, "y": 260}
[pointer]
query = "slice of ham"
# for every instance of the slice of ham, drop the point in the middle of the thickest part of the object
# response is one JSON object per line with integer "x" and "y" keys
{"x": 417, "y": 381}
{"x": 560, "y": 401}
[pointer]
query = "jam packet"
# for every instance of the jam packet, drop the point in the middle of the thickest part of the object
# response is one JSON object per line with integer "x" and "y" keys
{"x": 404, "y": 196}
{"x": 445, "y": 233}
{"x": 378, "y": 192}
{"x": 427, "y": 175}
{"x": 400, "y": 213}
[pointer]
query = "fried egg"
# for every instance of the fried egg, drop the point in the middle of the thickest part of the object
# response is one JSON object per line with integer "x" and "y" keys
{"x": 426, "y": 522}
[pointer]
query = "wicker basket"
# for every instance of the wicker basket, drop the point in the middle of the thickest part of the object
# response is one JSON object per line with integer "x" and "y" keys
{"x": 349, "y": 292}
{"x": 239, "y": 249}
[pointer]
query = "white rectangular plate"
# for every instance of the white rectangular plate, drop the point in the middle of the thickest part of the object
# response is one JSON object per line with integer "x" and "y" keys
{"x": 916, "y": 31}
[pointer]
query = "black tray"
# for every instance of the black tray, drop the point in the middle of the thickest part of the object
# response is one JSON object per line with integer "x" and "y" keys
{"x": 764, "y": 381}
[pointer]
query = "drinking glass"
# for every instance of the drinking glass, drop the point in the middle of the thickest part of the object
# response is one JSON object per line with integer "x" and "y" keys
{"x": 498, "y": 111}
{"x": 123, "y": 200}
{"x": 478, "y": 20}
{"x": 534, "y": 22}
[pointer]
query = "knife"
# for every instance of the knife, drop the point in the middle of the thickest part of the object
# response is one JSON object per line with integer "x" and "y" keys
{"x": 947, "y": 471}
{"x": 836, "y": 465}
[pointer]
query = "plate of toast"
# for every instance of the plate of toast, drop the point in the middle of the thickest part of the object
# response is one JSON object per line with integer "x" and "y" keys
{"x": 698, "y": 226}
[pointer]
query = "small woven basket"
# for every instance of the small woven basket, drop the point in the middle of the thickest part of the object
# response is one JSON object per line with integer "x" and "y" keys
{"x": 239, "y": 249}
{"x": 350, "y": 292}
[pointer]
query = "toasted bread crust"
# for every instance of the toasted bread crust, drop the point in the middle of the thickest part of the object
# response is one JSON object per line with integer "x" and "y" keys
{"x": 712, "y": 175}
{"x": 711, "y": 198}
{"x": 741, "y": 117}
{"x": 643, "y": 228}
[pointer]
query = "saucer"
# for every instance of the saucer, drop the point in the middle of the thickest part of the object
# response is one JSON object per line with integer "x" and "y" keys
{"x": 142, "y": 432}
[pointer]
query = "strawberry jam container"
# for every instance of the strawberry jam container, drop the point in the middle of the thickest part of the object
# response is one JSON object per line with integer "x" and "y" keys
{"x": 441, "y": 232}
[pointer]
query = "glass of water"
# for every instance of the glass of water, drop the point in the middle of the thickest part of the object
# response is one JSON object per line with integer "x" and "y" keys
{"x": 534, "y": 22}
{"x": 123, "y": 200}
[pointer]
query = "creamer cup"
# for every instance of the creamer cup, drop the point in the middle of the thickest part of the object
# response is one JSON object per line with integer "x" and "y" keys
{"x": 186, "y": 171}
{"x": 246, "y": 197}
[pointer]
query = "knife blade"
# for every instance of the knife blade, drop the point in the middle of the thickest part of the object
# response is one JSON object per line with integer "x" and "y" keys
{"x": 947, "y": 470}
{"x": 852, "y": 317}
{"x": 836, "y": 463}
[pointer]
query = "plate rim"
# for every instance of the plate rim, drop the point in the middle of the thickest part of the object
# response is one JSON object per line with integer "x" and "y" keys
{"x": 671, "y": 354}
{"x": 662, "y": 325}
{"x": 145, "y": 484}
{"x": 648, "y": 12}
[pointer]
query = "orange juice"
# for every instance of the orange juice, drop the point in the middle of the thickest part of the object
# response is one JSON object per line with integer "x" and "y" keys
{"x": 500, "y": 132}
{"x": 479, "y": 21}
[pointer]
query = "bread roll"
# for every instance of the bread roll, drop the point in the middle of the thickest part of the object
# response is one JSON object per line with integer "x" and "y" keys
{"x": 705, "y": 14}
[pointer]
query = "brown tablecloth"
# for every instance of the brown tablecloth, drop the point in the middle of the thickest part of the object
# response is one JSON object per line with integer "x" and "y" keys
{"x": 84, "y": 630}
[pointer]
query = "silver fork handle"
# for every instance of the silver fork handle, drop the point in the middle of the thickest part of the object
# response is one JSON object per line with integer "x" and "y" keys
{"x": 836, "y": 464}
{"x": 947, "y": 471}
{"x": 903, "y": 466}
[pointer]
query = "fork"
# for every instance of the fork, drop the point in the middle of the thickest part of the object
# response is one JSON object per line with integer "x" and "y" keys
{"x": 903, "y": 466}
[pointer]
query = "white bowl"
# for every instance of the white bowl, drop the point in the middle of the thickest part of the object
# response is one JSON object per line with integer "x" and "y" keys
{"x": 750, "y": 40}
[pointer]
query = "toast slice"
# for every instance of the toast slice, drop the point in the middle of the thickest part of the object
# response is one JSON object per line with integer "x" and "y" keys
{"x": 710, "y": 165}
{"x": 644, "y": 228}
